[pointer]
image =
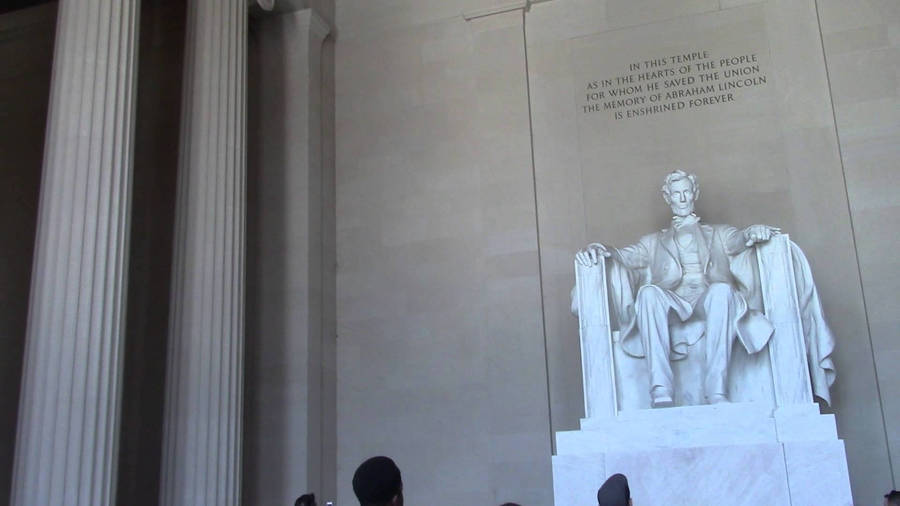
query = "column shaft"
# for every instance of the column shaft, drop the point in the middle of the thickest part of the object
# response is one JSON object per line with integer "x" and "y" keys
{"x": 67, "y": 439}
{"x": 202, "y": 433}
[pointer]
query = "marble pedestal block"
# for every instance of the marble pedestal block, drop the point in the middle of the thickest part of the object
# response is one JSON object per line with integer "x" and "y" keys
{"x": 736, "y": 454}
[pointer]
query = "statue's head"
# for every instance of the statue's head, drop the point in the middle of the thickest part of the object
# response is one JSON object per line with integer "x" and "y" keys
{"x": 681, "y": 190}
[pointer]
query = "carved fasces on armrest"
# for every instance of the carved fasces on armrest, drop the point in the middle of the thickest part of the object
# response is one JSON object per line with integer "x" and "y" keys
{"x": 591, "y": 295}
{"x": 591, "y": 300}
{"x": 787, "y": 346}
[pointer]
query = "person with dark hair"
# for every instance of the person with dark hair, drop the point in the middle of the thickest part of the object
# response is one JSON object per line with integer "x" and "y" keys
{"x": 892, "y": 498}
{"x": 377, "y": 482}
{"x": 306, "y": 500}
{"x": 510, "y": 504}
{"x": 614, "y": 492}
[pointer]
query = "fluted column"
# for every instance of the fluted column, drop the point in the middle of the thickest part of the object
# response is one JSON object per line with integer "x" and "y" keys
{"x": 202, "y": 433}
{"x": 67, "y": 439}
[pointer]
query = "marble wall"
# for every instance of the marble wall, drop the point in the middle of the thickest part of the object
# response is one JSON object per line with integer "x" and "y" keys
{"x": 861, "y": 39}
{"x": 455, "y": 352}
{"x": 289, "y": 388}
{"x": 769, "y": 156}
{"x": 778, "y": 155}
{"x": 440, "y": 345}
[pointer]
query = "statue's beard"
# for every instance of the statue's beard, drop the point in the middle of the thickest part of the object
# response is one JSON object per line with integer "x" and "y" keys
{"x": 684, "y": 210}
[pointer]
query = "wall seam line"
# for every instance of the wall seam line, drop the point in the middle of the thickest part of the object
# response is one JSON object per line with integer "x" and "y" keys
{"x": 537, "y": 230}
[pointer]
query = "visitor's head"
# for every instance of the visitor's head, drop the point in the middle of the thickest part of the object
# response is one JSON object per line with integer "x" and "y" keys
{"x": 510, "y": 504}
{"x": 681, "y": 190}
{"x": 306, "y": 500}
{"x": 614, "y": 492}
{"x": 892, "y": 498}
{"x": 377, "y": 482}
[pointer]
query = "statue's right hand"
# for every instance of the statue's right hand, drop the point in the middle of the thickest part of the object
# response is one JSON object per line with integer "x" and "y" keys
{"x": 592, "y": 254}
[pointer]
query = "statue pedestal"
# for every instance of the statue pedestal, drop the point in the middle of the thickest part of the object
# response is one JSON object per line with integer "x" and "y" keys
{"x": 736, "y": 454}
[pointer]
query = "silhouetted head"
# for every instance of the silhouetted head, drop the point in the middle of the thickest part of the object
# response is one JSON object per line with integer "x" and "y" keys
{"x": 892, "y": 498}
{"x": 306, "y": 500}
{"x": 614, "y": 492}
{"x": 377, "y": 482}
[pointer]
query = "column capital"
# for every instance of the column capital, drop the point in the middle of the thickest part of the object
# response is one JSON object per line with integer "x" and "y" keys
{"x": 318, "y": 25}
{"x": 280, "y": 5}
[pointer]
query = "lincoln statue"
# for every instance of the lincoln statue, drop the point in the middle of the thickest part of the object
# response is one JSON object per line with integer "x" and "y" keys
{"x": 686, "y": 291}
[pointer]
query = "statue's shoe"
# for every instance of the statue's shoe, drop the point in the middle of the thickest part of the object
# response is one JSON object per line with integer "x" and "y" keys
{"x": 661, "y": 398}
{"x": 717, "y": 399}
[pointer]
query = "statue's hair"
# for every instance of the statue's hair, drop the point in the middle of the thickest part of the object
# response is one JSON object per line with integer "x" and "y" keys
{"x": 677, "y": 175}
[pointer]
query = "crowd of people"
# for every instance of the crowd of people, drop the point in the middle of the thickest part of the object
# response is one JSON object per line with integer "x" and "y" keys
{"x": 377, "y": 482}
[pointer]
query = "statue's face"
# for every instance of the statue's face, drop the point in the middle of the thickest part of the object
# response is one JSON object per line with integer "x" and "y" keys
{"x": 681, "y": 197}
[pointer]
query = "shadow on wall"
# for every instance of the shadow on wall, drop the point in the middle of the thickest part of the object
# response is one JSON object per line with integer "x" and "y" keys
{"x": 26, "y": 51}
{"x": 150, "y": 253}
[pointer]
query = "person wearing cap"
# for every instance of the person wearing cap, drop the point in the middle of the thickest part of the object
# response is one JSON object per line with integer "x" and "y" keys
{"x": 614, "y": 492}
{"x": 377, "y": 482}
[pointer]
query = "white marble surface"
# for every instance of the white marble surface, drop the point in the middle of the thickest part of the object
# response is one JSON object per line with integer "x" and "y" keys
{"x": 731, "y": 423}
{"x": 597, "y": 369}
{"x": 787, "y": 348}
{"x": 736, "y": 475}
{"x": 682, "y": 427}
{"x": 794, "y": 473}
{"x": 579, "y": 478}
{"x": 805, "y": 428}
{"x": 817, "y": 473}
{"x": 718, "y": 454}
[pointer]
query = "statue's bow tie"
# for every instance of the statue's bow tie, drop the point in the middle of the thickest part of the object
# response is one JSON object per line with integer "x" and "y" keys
{"x": 683, "y": 221}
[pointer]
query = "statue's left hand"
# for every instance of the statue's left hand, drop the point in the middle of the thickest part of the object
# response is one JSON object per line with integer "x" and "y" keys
{"x": 759, "y": 233}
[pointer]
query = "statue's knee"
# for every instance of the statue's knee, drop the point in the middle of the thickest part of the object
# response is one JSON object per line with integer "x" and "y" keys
{"x": 650, "y": 294}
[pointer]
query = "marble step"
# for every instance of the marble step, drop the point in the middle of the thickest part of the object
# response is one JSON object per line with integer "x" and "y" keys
{"x": 697, "y": 426}
{"x": 778, "y": 474}
{"x": 704, "y": 412}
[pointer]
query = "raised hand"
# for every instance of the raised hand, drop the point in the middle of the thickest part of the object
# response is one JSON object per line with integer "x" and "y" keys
{"x": 592, "y": 254}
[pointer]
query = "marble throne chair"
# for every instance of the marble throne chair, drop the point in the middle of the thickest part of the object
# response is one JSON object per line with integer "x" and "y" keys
{"x": 778, "y": 375}
{"x": 769, "y": 445}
